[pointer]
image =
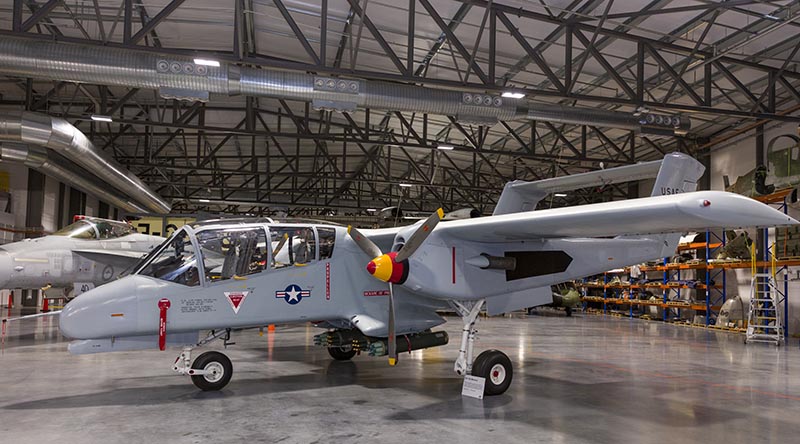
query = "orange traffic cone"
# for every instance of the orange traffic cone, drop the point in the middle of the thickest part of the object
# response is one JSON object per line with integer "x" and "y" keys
{"x": 271, "y": 327}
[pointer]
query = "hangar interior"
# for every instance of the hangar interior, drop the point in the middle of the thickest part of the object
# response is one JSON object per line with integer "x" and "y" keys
{"x": 377, "y": 113}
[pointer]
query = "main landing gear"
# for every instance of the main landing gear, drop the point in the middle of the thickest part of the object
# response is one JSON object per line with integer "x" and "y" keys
{"x": 493, "y": 365}
{"x": 211, "y": 370}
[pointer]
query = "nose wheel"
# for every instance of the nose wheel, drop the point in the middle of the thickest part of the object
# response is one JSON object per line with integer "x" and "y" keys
{"x": 211, "y": 371}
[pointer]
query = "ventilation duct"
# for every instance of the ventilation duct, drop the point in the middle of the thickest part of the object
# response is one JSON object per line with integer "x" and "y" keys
{"x": 179, "y": 77}
{"x": 63, "y": 138}
{"x": 62, "y": 170}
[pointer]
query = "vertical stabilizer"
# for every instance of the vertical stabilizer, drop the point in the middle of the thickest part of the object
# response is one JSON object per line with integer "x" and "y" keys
{"x": 679, "y": 173}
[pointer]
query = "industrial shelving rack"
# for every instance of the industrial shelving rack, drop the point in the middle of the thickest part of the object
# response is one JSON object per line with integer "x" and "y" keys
{"x": 715, "y": 281}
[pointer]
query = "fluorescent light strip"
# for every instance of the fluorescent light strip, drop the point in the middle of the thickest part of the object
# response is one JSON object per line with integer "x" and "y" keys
{"x": 99, "y": 118}
{"x": 560, "y": 195}
{"x": 405, "y": 185}
{"x": 445, "y": 147}
{"x": 513, "y": 95}
{"x": 206, "y": 62}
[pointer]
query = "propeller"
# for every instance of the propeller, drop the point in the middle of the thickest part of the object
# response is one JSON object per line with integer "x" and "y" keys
{"x": 392, "y": 267}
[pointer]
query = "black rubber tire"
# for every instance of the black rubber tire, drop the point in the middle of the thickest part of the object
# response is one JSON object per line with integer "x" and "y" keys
{"x": 341, "y": 354}
{"x": 569, "y": 311}
{"x": 483, "y": 366}
{"x": 212, "y": 383}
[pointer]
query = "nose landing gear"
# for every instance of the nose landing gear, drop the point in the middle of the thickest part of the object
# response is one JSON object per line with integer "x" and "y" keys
{"x": 492, "y": 365}
{"x": 211, "y": 370}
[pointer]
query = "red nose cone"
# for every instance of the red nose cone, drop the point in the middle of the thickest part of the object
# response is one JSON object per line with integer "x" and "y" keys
{"x": 371, "y": 267}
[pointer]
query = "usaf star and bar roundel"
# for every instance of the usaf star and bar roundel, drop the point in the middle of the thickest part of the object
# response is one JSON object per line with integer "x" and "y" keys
{"x": 293, "y": 294}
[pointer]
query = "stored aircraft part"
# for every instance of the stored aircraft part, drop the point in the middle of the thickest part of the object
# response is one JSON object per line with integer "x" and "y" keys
{"x": 61, "y": 136}
{"x": 732, "y": 313}
{"x": 105, "y": 65}
{"x": 64, "y": 171}
{"x": 736, "y": 247}
{"x": 485, "y": 261}
{"x": 567, "y": 299}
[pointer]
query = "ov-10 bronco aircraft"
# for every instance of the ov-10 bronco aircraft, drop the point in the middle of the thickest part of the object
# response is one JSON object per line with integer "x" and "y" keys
{"x": 89, "y": 252}
{"x": 377, "y": 291}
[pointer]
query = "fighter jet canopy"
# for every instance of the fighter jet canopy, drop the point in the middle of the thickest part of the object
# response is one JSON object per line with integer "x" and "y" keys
{"x": 96, "y": 228}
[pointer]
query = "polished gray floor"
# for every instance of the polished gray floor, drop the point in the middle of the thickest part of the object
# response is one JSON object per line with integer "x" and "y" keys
{"x": 584, "y": 379}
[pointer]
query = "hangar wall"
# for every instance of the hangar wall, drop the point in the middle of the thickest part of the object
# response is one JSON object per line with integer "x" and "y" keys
{"x": 735, "y": 158}
{"x": 18, "y": 187}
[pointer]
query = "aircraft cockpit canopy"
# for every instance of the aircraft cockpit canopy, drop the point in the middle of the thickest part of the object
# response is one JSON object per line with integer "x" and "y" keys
{"x": 211, "y": 254}
{"x": 94, "y": 228}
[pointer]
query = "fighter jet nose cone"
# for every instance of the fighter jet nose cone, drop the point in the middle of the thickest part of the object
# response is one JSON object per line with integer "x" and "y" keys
{"x": 371, "y": 267}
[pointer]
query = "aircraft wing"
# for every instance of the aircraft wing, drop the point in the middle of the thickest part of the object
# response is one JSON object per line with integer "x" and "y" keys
{"x": 677, "y": 213}
{"x": 117, "y": 258}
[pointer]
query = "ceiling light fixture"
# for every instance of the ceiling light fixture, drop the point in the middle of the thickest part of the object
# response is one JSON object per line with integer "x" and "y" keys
{"x": 513, "y": 95}
{"x": 207, "y": 62}
{"x": 405, "y": 185}
{"x": 560, "y": 195}
{"x": 99, "y": 118}
{"x": 203, "y": 200}
{"x": 445, "y": 147}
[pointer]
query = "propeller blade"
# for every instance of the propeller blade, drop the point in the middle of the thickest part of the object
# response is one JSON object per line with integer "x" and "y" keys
{"x": 363, "y": 242}
{"x": 392, "y": 339}
{"x": 419, "y": 236}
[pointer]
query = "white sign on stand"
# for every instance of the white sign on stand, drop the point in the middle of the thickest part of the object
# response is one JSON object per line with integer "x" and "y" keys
{"x": 473, "y": 386}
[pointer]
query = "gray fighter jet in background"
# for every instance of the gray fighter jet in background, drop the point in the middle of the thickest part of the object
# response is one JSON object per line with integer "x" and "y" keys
{"x": 221, "y": 277}
{"x": 75, "y": 259}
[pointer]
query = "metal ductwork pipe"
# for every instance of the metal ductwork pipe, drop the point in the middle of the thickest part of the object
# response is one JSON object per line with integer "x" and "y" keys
{"x": 62, "y": 137}
{"x": 179, "y": 77}
{"x": 62, "y": 170}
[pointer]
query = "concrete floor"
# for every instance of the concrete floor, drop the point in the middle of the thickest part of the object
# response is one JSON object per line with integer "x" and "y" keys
{"x": 584, "y": 379}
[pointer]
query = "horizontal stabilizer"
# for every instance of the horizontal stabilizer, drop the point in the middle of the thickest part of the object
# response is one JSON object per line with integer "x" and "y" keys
{"x": 521, "y": 196}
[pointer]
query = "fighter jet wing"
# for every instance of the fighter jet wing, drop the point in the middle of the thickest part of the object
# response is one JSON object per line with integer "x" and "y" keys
{"x": 117, "y": 258}
{"x": 697, "y": 211}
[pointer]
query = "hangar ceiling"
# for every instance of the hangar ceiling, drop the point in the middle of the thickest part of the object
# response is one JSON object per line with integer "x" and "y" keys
{"x": 727, "y": 66}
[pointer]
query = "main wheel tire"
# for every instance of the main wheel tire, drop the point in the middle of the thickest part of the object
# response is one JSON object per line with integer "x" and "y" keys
{"x": 495, "y": 367}
{"x": 341, "y": 353}
{"x": 569, "y": 311}
{"x": 220, "y": 367}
